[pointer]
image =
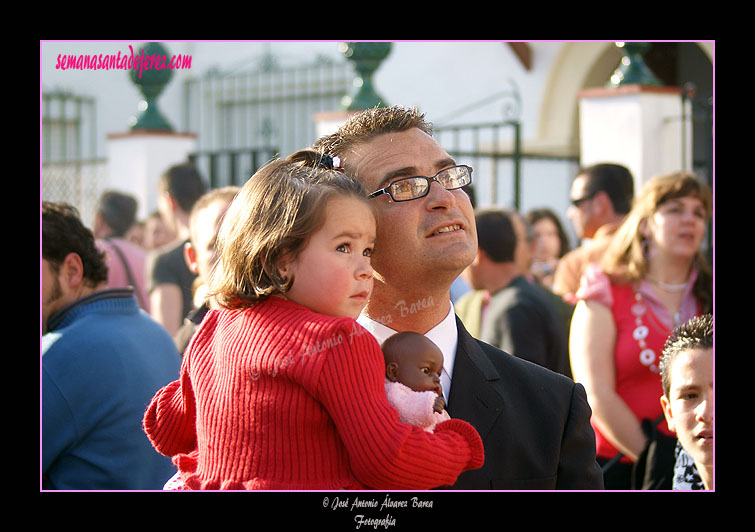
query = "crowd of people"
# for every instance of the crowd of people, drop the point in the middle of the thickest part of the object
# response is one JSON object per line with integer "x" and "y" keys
{"x": 347, "y": 317}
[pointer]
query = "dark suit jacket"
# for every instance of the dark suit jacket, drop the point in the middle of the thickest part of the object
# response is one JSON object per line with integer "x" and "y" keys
{"x": 521, "y": 320}
{"x": 534, "y": 423}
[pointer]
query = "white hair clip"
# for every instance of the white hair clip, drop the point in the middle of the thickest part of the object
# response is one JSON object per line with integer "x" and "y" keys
{"x": 330, "y": 162}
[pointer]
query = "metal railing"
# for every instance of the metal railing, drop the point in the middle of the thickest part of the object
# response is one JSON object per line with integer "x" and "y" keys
{"x": 701, "y": 111}
{"x": 502, "y": 170}
{"x": 231, "y": 166}
{"x": 267, "y": 107}
{"x": 69, "y": 126}
{"x": 71, "y": 171}
{"x": 78, "y": 183}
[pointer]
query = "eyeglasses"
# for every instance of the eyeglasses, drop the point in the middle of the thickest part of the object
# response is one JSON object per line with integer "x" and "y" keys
{"x": 578, "y": 202}
{"x": 410, "y": 188}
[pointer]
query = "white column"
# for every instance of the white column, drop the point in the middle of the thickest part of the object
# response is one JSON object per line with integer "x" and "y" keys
{"x": 137, "y": 159}
{"x": 638, "y": 126}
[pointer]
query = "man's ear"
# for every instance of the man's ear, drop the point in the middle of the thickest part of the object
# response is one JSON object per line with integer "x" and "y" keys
{"x": 391, "y": 371}
{"x": 71, "y": 273}
{"x": 666, "y": 405}
{"x": 170, "y": 200}
{"x": 601, "y": 203}
{"x": 190, "y": 256}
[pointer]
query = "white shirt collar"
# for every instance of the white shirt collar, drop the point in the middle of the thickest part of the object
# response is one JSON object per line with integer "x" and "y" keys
{"x": 444, "y": 335}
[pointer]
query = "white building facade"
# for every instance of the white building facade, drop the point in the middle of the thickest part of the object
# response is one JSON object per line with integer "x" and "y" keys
{"x": 240, "y": 95}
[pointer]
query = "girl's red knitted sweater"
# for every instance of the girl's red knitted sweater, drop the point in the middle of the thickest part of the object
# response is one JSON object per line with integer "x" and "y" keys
{"x": 278, "y": 397}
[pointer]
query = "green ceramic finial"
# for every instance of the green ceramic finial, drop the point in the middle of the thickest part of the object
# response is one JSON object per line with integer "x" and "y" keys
{"x": 367, "y": 57}
{"x": 151, "y": 77}
{"x": 633, "y": 70}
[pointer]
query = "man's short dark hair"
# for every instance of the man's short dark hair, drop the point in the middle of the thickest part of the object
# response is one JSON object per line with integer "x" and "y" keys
{"x": 697, "y": 333}
{"x": 613, "y": 179}
{"x": 63, "y": 233}
{"x": 118, "y": 210}
{"x": 184, "y": 183}
{"x": 369, "y": 123}
{"x": 495, "y": 234}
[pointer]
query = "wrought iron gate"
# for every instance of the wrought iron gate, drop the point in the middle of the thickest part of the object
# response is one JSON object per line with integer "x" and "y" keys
{"x": 243, "y": 120}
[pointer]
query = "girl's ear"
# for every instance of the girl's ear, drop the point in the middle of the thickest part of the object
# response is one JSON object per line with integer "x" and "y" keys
{"x": 283, "y": 264}
{"x": 391, "y": 371}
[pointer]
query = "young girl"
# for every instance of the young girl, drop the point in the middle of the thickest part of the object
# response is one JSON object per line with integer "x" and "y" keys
{"x": 413, "y": 364}
{"x": 280, "y": 388}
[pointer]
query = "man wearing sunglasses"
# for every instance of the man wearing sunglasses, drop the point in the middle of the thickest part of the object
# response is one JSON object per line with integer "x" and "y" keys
{"x": 534, "y": 423}
{"x": 601, "y": 196}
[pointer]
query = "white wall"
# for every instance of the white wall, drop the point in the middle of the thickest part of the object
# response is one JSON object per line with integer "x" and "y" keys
{"x": 438, "y": 77}
{"x": 446, "y": 80}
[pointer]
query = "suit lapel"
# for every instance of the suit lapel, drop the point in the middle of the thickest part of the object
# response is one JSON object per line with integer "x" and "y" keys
{"x": 474, "y": 393}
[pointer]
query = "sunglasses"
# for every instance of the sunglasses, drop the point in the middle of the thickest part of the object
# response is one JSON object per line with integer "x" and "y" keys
{"x": 578, "y": 202}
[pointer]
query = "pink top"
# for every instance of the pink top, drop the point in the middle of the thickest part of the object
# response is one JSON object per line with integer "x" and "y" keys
{"x": 596, "y": 285}
{"x": 136, "y": 258}
{"x": 642, "y": 326}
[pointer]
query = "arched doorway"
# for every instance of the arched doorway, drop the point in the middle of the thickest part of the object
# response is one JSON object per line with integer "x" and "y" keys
{"x": 581, "y": 65}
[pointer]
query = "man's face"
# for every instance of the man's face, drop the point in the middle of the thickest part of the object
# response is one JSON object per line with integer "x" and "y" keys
{"x": 689, "y": 406}
{"x": 581, "y": 215}
{"x": 422, "y": 241}
{"x": 156, "y": 233}
{"x": 165, "y": 208}
{"x": 52, "y": 293}
{"x": 204, "y": 237}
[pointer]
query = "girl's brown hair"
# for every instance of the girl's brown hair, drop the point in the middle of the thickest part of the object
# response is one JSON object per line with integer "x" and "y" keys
{"x": 274, "y": 215}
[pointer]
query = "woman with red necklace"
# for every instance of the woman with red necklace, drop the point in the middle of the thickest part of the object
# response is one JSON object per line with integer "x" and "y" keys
{"x": 652, "y": 278}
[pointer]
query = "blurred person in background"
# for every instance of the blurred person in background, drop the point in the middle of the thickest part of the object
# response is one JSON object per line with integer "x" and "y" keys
{"x": 652, "y": 278}
{"x": 156, "y": 232}
{"x": 200, "y": 253}
{"x": 601, "y": 195}
{"x": 170, "y": 280}
{"x": 103, "y": 358}
{"x": 135, "y": 235}
{"x": 549, "y": 244}
{"x": 506, "y": 310}
{"x": 126, "y": 261}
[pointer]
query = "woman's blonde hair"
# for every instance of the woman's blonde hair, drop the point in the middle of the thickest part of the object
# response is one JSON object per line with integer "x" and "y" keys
{"x": 274, "y": 215}
{"x": 625, "y": 258}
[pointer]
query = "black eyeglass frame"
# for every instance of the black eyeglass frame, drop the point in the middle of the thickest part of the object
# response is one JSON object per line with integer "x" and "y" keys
{"x": 386, "y": 190}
